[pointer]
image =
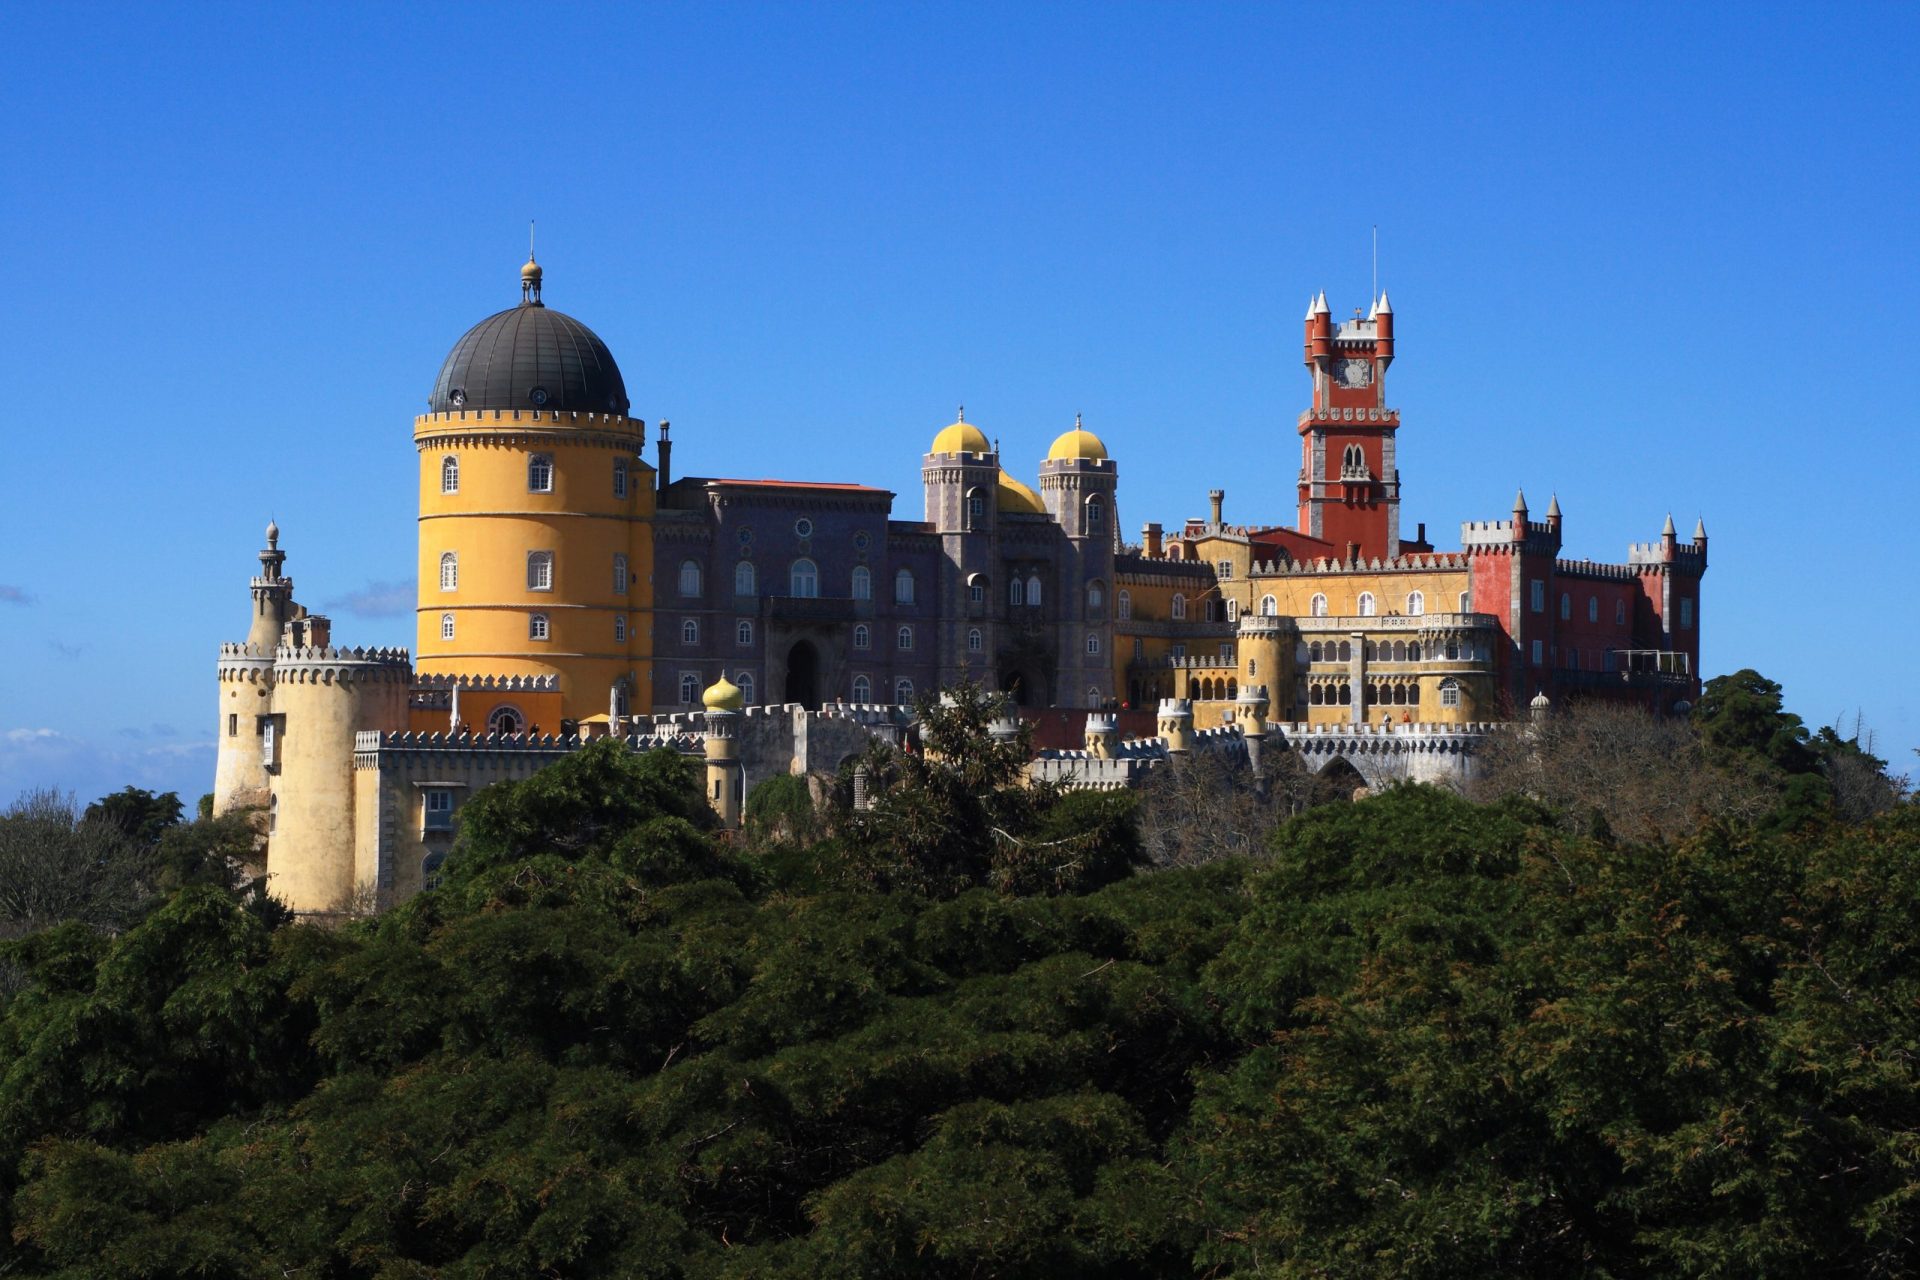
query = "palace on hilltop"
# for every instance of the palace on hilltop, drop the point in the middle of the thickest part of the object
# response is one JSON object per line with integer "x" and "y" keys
{"x": 571, "y": 586}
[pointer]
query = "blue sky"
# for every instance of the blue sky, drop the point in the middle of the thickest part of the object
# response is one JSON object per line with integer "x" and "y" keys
{"x": 1650, "y": 258}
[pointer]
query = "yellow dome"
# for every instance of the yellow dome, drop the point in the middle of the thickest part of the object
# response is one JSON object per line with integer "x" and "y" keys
{"x": 1078, "y": 443}
{"x": 531, "y": 271}
{"x": 723, "y": 695}
{"x": 1014, "y": 496}
{"x": 961, "y": 437}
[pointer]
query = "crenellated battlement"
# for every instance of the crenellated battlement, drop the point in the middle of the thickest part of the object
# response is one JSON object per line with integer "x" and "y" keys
{"x": 1413, "y": 562}
{"x": 486, "y": 684}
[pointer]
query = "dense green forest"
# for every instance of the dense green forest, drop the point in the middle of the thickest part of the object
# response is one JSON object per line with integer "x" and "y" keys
{"x": 1644, "y": 1004}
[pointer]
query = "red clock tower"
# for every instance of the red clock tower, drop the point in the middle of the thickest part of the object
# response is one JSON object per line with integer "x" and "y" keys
{"x": 1349, "y": 481}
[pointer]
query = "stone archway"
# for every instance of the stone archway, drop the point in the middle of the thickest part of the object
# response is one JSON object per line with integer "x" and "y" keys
{"x": 1338, "y": 779}
{"x": 803, "y": 675}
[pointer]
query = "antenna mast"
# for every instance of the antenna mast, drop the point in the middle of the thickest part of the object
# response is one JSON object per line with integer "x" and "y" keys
{"x": 1375, "y": 295}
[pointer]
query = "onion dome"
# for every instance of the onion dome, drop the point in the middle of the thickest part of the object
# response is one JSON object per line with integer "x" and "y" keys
{"x": 1011, "y": 495}
{"x": 530, "y": 357}
{"x": 1078, "y": 443}
{"x": 723, "y": 695}
{"x": 960, "y": 437}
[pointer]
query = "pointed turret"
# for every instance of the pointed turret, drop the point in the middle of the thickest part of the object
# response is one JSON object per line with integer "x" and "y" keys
{"x": 1320, "y": 307}
{"x": 1383, "y": 330}
{"x": 1667, "y": 530}
{"x": 1319, "y": 329}
{"x": 1553, "y": 513}
{"x": 1700, "y": 540}
{"x": 1669, "y": 538}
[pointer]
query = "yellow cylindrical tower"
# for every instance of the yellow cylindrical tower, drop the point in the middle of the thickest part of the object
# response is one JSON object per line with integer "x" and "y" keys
{"x": 723, "y": 702}
{"x": 246, "y": 687}
{"x": 536, "y": 534}
{"x": 1102, "y": 735}
{"x": 1266, "y": 653}
{"x": 1175, "y": 721}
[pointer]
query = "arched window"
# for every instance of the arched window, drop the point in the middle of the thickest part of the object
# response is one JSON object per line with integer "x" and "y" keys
{"x": 974, "y": 642}
{"x": 1017, "y": 592}
{"x": 1346, "y": 695}
{"x": 1346, "y": 651}
{"x": 1366, "y": 647}
{"x": 689, "y": 631}
{"x": 690, "y": 578}
{"x": 903, "y": 691}
{"x": 1178, "y": 609}
{"x": 977, "y": 588}
{"x": 1233, "y": 611}
{"x": 1033, "y": 589}
{"x": 904, "y": 637}
{"x": 1096, "y": 514}
{"x": 1123, "y": 604}
{"x": 689, "y": 688}
{"x": 862, "y": 582}
{"x": 1093, "y": 642}
{"x": 976, "y": 509}
{"x": 743, "y": 631}
{"x": 1416, "y": 603}
{"x": 505, "y": 719}
{"x": 430, "y": 868}
{"x": 537, "y": 627}
{"x": 744, "y": 581}
{"x": 449, "y": 474}
{"x": 1269, "y": 607}
{"x": 1449, "y": 693}
{"x": 862, "y": 689}
{"x": 446, "y": 626}
{"x": 1566, "y": 606}
{"x": 1413, "y": 651}
{"x": 449, "y": 571}
{"x": 1593, "y": 608}
{"x": 539, "y": 570}
{"x": 862, "y": 637}
{"x": 619, "y": 628}
{"x": 1318, "y": 606}
{"x": 1096, "y": 597}
{"x": 903, "y": 587}
{"x": 1399, "y": 650}
{"x": 1367, "y": 609}
{"x": 1313, "y": 695}
{"x": 540, "y": 473}
{"x": 1313, "y": 652}
{"x": 619, "y": 477}
{"x": 803, "y": 579}
{"x": 744, "y": 681}
{"x": 619, "y": 574}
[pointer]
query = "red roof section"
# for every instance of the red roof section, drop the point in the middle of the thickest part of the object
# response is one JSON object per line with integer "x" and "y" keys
{"x": 801, "y": 484}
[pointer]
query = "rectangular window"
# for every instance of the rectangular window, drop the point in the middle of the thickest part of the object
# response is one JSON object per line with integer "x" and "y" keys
{"x": 619, "y": 575}
{"x": 1466, "y": 602}
{"x": 1179, "y": 650}
{"x": 1539, "y": 652}
{"x": 269, "y": 742}
{"x": 1139, "y": 647}
{"x": 438, "y": 809}
{"x": 540, "y": 473}
{"x": 1539, "y": 590}
{"x": 619, "y": 629}
{"x": 1686, "y": 612}
{"x": 620, "y": 479}
{"x": 233, "y": 726}
{"x": 537, "y": 626}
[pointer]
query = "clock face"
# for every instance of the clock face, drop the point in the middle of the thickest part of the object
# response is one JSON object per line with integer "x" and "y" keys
{"x": 1353, "y": 373}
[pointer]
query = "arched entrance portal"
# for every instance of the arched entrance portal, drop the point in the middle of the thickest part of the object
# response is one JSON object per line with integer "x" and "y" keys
{"x": 1015, "y": 684}
{"x": 803, "y": 675}
{"x": 1337, "y": 780}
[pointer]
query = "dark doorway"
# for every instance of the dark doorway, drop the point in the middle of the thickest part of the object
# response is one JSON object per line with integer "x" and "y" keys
{"x": 1014, "y": 683}
{"x": 803, "y": 676}
{"x": 1337, "y": 781}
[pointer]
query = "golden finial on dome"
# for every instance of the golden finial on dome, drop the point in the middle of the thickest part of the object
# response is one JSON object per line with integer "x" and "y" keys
{"x": 530, "y": 275}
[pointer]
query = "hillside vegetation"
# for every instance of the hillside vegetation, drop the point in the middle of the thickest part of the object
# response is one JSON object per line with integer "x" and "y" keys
{"x": 969, "y": 1034}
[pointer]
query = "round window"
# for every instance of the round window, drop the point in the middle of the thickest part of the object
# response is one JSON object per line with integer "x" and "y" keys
{"x": 803, "y": 527}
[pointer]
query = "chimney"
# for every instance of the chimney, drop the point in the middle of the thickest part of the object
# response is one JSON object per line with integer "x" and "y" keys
{"x": 1150, "y": 542}
{"x": 666, "y": 455}
{"x": 1215, "y": 497}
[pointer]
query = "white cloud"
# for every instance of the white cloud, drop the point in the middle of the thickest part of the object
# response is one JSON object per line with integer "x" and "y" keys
{"x": 34, "y": 757}
{"x": 13, "y": 595}
{"x": 377, "y": 600}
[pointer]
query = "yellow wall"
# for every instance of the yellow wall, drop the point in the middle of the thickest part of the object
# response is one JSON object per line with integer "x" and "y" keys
{"x": 493, "y": 522}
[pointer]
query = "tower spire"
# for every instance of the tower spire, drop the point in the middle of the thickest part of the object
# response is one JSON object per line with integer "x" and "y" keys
{"x": 530, "y": 275}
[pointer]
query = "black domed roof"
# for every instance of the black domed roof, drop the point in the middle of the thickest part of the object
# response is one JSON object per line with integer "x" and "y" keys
{"x": 530, "y": 357}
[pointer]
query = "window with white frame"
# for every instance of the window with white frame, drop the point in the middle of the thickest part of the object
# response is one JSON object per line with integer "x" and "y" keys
{"x": 1317, "y": 606}
{"x": 1178, "y": 608}
{"x": 1017, "y": 592}
{"x": 803, "y": 579}
{"x": 689, "y": 631}
{"x": 437, "y": 807}
{"x": 974, "y": 641}
{"x": 976, "y": 509}
{"x": 1466, "y": 602}
{"x": 1123, "y": 604}
{"x": 446, "y": 626}
{"x": 1269, "y": 607}
{"x": 690, "y": 583}
{"x": 1449, "y": 693}
{"x": 744, "y": 681}
{"x": 903, "y": 691}
{"x": 619, "y": 477}
{"x": 904, "y": 638}
{"x": 539, "y": 570}
{"x": 1416, "y": 603}
{"x": 862, "y": 689}
{"x": 449, "y": 474}
{"x": 1096, "y": 597}
{"x": 862, "y": 637}
{"x": 449, "y": 571}
{"x": 903, "y": 587}
{"x": 744, "y": 580}
{"x": 1093, "y": 642}
{"x": 430, "y": 869}
{"x": 743, "y": 631}
{"x": 1223, "y": 570}
{"x": 1096, "y": 514}
{"x": 619, "y": 574}
{"x": 619, "y": 628}
{"x": 1033, "y": 589}
{"x": 977, "y": 589}
{"x": 538, "y": 627}
{"x": 505, "y": 719}
{"x": 862, "y": 585}
{"x": 540, "y": 473}
{"x": 1367, "y": 608}
{"x": 689, "y": 688}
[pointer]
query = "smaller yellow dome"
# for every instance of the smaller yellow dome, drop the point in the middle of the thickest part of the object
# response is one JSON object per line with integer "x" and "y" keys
{"x": 531, "y": 271}
{"x": 723, "y": 695}
{"x": 1014, "y": 496}
{"x": 961, "y": 437}
{"x": 1078, "y": 443}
